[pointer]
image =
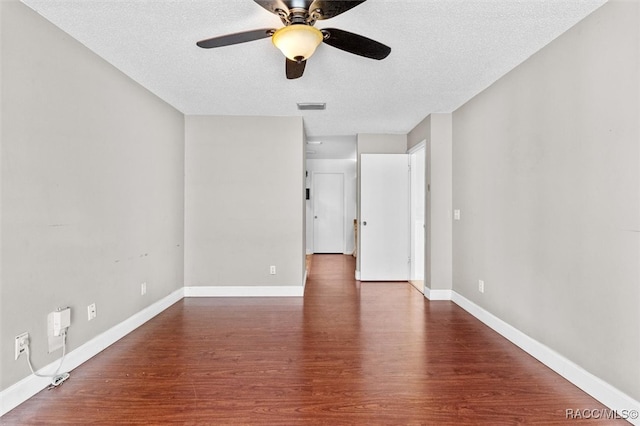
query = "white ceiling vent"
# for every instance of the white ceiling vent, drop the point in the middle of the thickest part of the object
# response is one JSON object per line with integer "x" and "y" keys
{"x": 311, "y": 106}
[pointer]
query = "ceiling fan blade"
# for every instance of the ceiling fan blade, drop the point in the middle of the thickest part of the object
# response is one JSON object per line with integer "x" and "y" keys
{"x": 294, "y": 69}
{"x": 356, "y": 44}
{"x": 236, "y": 38}
{"x": 329, "y": 9}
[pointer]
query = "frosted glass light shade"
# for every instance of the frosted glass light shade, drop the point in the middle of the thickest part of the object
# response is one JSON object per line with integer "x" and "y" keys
{"x": 297, "y": 41}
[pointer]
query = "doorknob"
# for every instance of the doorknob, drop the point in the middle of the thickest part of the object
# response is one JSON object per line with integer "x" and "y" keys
{"x": 315, "y": 217}
{"x": 364, "y": 223}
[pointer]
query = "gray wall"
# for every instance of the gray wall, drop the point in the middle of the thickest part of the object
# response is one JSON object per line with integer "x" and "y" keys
{"x": 546, "y": 173}
{"x": 376, "y": 143}
{"x": 244, "y": 205}
{"x": 421, "y": 131}
{"x": 92, "y": 190}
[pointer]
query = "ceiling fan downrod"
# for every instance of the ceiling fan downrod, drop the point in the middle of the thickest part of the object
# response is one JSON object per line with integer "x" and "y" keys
{"x": 298, "y": 15}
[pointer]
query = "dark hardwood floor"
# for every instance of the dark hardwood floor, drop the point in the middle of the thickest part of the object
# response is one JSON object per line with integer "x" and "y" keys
{"x": 346, "y": 353}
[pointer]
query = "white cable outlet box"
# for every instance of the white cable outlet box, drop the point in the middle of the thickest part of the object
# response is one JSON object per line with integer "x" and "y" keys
{"x": 61, "y": 320}
{"x": 57, "y": 322}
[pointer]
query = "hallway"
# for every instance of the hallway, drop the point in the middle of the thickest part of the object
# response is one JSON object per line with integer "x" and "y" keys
{"x": 347, "y": 353}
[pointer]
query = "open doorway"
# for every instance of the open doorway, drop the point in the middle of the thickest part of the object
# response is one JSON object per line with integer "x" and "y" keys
{"x": 331, "y": 179}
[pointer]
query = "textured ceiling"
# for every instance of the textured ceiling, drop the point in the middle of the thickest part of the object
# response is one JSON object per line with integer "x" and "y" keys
{"x": 443, "y": 53}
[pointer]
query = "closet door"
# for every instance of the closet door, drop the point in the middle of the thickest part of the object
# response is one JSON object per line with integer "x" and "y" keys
{"x": 328, "y": 212}
{"x": 384, "y": 217}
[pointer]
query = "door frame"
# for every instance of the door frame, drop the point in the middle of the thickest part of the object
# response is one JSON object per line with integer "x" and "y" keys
{"x": 416, "y": 149}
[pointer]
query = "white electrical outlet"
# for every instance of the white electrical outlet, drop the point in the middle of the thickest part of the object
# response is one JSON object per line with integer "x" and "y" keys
{"x": 22, "y": 341}
{"x": 481, "y": 286}
{"x": 272, "y": 269}
{"x": 143, "y": 289}
{"x": 91, "y": 311}
{"x": 456, "y": 214}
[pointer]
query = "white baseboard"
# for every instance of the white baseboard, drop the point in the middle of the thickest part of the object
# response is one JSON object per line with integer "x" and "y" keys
{"x": 245, "y": 291}
{"x": 594, "y": 386}
{"x": 21, "y": 391}
{"x": 437, "y": 294}
{"x": 357, "y": 275}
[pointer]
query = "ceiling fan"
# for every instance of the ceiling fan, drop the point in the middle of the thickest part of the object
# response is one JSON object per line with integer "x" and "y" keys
{"x": 299, "y": 38}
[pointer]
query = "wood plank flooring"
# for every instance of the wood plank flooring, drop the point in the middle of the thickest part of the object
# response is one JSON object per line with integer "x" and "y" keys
{"x": 346, "y": 353}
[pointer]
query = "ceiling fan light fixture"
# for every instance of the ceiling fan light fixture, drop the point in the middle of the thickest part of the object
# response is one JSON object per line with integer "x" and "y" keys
{"x": 297, "y": 42}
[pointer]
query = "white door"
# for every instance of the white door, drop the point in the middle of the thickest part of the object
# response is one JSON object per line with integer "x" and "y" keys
{"x": 328, "y": 212}
{"x": 384, "y": 217}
